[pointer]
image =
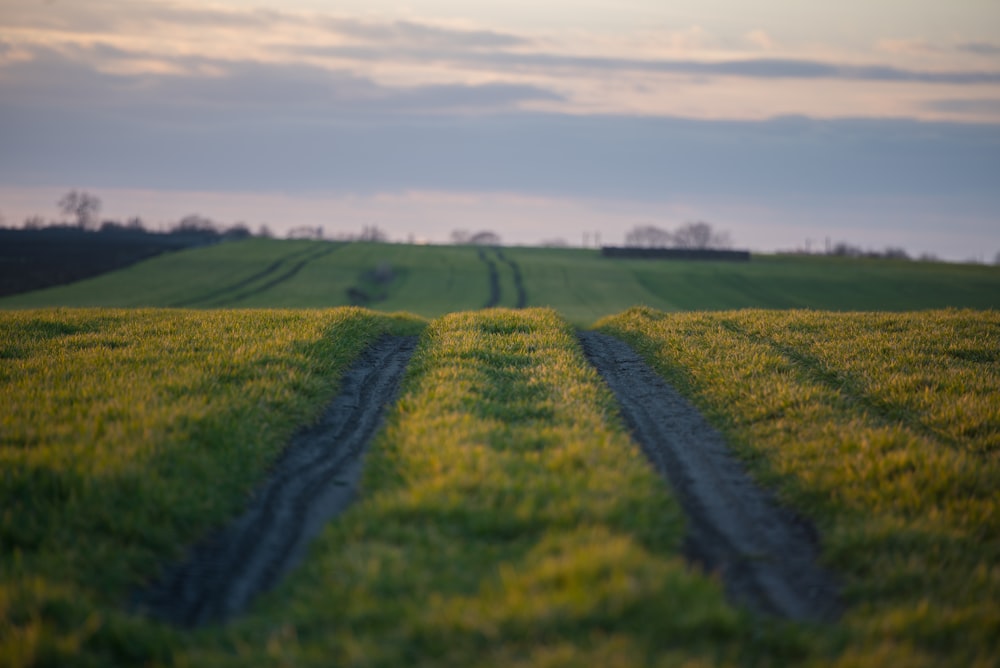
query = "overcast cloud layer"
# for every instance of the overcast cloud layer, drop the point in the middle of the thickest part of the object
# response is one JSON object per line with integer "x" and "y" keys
{"x": 160, "y": 97}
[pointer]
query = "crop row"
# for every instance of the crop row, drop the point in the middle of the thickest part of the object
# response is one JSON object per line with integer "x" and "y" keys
{"x": 505, "y": 517}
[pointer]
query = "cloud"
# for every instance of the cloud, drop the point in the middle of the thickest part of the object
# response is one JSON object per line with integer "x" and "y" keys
{"x": 415, "y": 34}
{"x": 979, "y": 48}
{"x": 750, "y": 68}
{"x": 759, "y": 40}
{"x": 969, "y": 106}
{"x": 243, "y": 88}
{"x": 922, "y": 46}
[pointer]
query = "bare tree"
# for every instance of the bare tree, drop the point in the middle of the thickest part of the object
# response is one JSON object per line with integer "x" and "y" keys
{"x": 194, "y": 223}
{"x": 484, "y": 238}
{"x": 700, "y": 235}
{"x": 648, "y": 236}
{"x": 372, "y": 233}
{"x": 459, "y": 237}
{"x": 83, "y": 206}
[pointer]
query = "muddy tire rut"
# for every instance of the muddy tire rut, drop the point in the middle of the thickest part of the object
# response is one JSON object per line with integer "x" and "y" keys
{"x": 765, "y": 554}
{"x": 313, "y": 480}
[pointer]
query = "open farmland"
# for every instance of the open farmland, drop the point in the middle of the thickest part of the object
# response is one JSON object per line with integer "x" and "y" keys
{"x": 124, "y": 435}
{"x": 504, "y": 516}
{"x": 884, "y": 428}
{"x": 580, "y": 284}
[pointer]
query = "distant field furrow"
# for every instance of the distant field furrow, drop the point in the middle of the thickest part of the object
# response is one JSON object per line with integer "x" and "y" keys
{"x": 580, "y": 284}
{"x": 273, "y": 281}
{"x": 239, "y": 285}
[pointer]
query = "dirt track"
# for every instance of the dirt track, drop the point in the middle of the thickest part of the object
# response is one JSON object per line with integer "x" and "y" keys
{"x": 765, "y": 554}
{"x": 313, "y": 481}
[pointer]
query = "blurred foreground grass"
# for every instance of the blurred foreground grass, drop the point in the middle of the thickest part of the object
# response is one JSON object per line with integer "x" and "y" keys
{"x": 884, "y": 428}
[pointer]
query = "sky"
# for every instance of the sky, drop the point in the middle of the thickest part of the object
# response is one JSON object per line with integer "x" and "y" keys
{"x": 786, "y": 123}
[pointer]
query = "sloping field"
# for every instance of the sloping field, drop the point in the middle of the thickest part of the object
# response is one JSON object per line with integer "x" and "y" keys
{"x": 580, "y": 284}
{"x": 504, "y": 516}
{"x": 583, "y": 286}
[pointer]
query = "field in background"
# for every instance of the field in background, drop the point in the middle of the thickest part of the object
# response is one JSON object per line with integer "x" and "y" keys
{"x": 580, "y": 284}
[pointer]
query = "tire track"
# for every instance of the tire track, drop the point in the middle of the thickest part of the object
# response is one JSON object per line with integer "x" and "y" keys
{"x": 270, "y": 269}
{"x": 290, "y": 273}
{"x": 766, "y": 555}
{"x": 522, "y": 294}
{"x": 313, "y": 481}
{"x": 494, "y": 275}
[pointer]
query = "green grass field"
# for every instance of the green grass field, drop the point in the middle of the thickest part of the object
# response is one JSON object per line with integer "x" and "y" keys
{"x": 884, "y": 428}
{"x": 124, "y": 435}
{"x": 580, "y": 284}
{"x": 505, "y": 518}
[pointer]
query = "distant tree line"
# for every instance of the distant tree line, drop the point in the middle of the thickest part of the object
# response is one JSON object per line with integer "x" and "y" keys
{"x": 844, "y": 249}
{"x": 696, "y": 236}
{"x": 83, "y": 209}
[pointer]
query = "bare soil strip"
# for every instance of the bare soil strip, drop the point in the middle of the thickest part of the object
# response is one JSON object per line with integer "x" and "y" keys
{"x": 313, "y": 481}
{"x": 765, "y": 554}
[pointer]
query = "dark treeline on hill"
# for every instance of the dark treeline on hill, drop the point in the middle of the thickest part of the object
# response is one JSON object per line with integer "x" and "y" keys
{"x": 37, "y": 258}
{"x": 42, "y": 254}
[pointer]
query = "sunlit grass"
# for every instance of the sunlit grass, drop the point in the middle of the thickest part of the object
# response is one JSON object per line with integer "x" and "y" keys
{"x": 126, "y": 434}
{"x": 885, "y": 429}
{"x": 505, "y": 519}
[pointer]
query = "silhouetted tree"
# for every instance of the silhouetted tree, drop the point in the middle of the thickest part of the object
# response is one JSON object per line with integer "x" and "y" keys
{"x": 484, "y": 238}
{"x": 648, "y": 236}
{"x": 844, "y": 249}
{"x": 372, "y": 233}
{"x": 236, "y": 231}
{"x": 459, "y": 237}
{"x": 34, "y": 223}
{"x": 699, "y": 235}
{"x": 81, "y": 205}
{"x": 264, "y": 232}
{"x": 894, "y": 253}
{"x": 194, "y": 223}
{"x": 111, "y": 226}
